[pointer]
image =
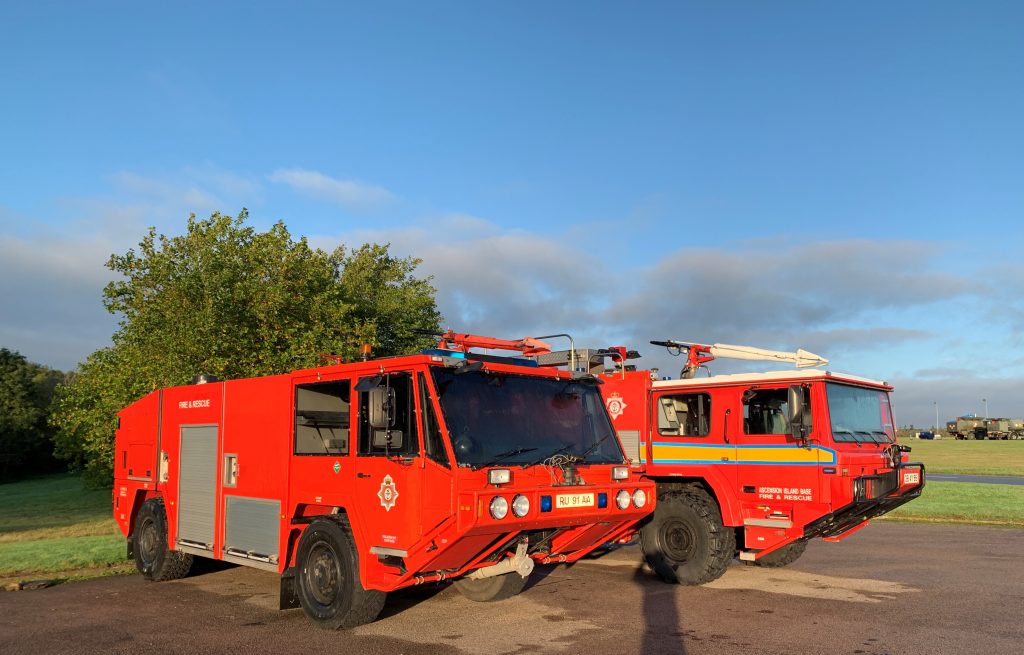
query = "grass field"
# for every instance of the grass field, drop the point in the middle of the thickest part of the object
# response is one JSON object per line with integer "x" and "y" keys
{"x": 969, "y": 457}
{"x": 963, "y": 502}
{"x": 54, "y": 527}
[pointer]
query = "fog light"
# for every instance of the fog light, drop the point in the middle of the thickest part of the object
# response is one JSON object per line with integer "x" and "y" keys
{"x": 620, "y": 473}
{"x": 622, "y": 499}
{"x": 520, "y": 506}
{"x": 639, "y": 498}
{"x": 499, "y": 507}
{"x": 499, "y": 476}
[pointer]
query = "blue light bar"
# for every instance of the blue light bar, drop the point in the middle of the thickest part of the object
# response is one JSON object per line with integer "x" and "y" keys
{"x": 443, "y": 353}
{"x": 545, "y": 503}
{"x": 602, "y": 500}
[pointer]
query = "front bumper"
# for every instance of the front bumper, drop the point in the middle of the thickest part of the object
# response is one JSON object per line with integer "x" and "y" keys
{"x": 874, "y": 495}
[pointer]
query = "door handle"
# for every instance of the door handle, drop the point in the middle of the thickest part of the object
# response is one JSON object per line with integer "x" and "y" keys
{"x": 362, "y": 475}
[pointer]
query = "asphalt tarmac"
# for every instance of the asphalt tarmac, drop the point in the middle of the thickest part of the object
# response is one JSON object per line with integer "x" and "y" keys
{"x": 891, "y": 588}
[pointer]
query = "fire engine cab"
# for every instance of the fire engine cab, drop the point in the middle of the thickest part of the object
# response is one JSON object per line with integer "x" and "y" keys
{"x": 352, "y": 480}
{"x": 753, "y": 464}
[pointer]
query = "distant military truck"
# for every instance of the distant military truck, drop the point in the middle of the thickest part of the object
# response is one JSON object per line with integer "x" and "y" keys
{"x": 975, "y": 427}
{"x": 1004, "y": 428}
{"x": 967, "y": 427}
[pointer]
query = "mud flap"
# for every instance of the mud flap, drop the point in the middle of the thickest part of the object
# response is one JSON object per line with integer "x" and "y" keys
{"x": 289, "y": 598}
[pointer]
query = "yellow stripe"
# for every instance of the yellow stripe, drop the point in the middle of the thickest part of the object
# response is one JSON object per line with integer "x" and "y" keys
{"x": 744, "y": 455}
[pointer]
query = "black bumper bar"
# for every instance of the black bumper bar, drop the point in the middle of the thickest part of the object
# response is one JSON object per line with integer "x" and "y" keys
{"x": 874, "y": 495}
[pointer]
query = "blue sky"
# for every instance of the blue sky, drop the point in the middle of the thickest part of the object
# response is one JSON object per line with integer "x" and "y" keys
{"x": 843, "y": 178}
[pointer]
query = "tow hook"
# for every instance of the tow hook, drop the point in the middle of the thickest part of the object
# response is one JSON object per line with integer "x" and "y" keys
{"x": 519, "y": 563}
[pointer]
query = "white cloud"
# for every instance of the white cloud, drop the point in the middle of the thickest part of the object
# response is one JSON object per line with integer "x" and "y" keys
{"x": 351, "y": 194}
{"x": 846, "y": 300}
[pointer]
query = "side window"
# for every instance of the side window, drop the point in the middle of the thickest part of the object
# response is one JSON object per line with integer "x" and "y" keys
{"x": 322, "y": 418}
{"x": 684, "y": 415}
{"x": 766, "y": 411}
{"x": 433, "y": 444}
{"x": 386, "y": 425}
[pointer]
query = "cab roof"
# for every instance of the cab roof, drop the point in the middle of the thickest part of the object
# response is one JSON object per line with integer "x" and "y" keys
{"x": 771, "y": 376}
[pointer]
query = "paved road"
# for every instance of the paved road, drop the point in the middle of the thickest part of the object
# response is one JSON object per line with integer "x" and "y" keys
{"x": 892, "y": 588}
{"x": 983, "y": 479}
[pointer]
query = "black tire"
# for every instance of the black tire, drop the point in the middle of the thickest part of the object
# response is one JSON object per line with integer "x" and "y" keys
{"x": 488, "y": 590}
{"x": 153, "y": 558}
{"x": 329, "y": 589}
{"x": 685, "y": 540}
{"x": 783, "y": 556}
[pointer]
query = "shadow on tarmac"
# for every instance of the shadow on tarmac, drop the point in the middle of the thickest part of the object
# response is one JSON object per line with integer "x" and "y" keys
{"x": 662, "y": 630}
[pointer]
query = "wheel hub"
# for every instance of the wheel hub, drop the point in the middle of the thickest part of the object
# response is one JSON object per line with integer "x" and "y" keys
{"x": 148, "y": 541}
{"x": 678, "y": 540}
{"x": 323, "y": 573}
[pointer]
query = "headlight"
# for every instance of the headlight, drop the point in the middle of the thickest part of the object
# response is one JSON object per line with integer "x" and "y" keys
{"x": 520, "y": 506}
{"x": 499, "y": 507}
{"x": 620, "y": 473}
{"x": 639, "y": 498}
{"x": 499, "y": 476}
{"x": 622, "y": 499}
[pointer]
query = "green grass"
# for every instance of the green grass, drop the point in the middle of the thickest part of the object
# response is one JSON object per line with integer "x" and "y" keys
{"x": 54, "y": 527}
{"x": 969, "y": 457}
{"x": 964, "y": 502}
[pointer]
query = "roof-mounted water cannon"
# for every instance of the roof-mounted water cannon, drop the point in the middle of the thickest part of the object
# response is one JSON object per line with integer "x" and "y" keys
{"x": 698, "y": 355}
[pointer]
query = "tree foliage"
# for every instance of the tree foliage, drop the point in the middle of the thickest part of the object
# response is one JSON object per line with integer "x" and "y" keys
{"x": 228, "y": 300}
{"x": 26, "y": 441}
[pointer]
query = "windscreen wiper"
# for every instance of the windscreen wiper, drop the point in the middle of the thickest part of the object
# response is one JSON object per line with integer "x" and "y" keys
{"x": 869, "y": 435}
{"x": 500, "y": 456}
{"x": 558, "y": 451}
{"x": 593, "y": 447}
{"x": 855, "y": 440}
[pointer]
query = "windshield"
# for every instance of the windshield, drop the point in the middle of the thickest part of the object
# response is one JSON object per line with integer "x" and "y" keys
{"x": 516, "y": 419}
{"x": 859, "y": 414}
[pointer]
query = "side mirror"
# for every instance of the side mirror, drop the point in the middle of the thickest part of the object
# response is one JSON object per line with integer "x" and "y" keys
{"x": 795, "y": 403}
{"x": 381, "y": 400}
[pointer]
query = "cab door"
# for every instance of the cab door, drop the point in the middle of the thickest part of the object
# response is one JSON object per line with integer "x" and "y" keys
{"x": 774, "y": 468}
{"x": 388, "y": 478}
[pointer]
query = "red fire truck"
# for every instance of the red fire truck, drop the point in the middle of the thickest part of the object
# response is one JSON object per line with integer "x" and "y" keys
{"x": 752, "y": 465}
{"x": 352, "y": 480}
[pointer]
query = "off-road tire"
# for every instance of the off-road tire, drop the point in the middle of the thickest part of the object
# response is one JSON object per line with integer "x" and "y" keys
{"x": 685, "y": 541}
{"x": 487, "y": 590}
{"x": 153, "y": 558}
{"x": 783, "y": 556}
{"x": 329, "y": 589}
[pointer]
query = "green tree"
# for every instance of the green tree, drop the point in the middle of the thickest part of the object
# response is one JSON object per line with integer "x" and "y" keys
{"x": 228, "y": 300}
{"x": 26, "y": 441}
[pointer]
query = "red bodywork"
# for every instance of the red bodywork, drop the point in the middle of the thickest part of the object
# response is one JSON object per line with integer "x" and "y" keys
{"x": 414, "y": 519}
{"x": 773, "y": 488}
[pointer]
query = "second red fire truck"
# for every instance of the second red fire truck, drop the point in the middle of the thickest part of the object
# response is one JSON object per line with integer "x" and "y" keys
{"x": 751, "y": 465}
{"x": 353, "y": 480}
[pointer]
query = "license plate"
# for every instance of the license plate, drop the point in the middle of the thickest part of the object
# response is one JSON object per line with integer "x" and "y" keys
{"x": 911, "y": 477}
{"x": 574, "y": 500}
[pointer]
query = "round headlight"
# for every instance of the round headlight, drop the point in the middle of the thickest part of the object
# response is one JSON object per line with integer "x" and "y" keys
{"x": 639, "y": 498}
{"x": 520, "y": 506}
{"x": 499, "y": 507}
{"x": 622, "y": 499}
